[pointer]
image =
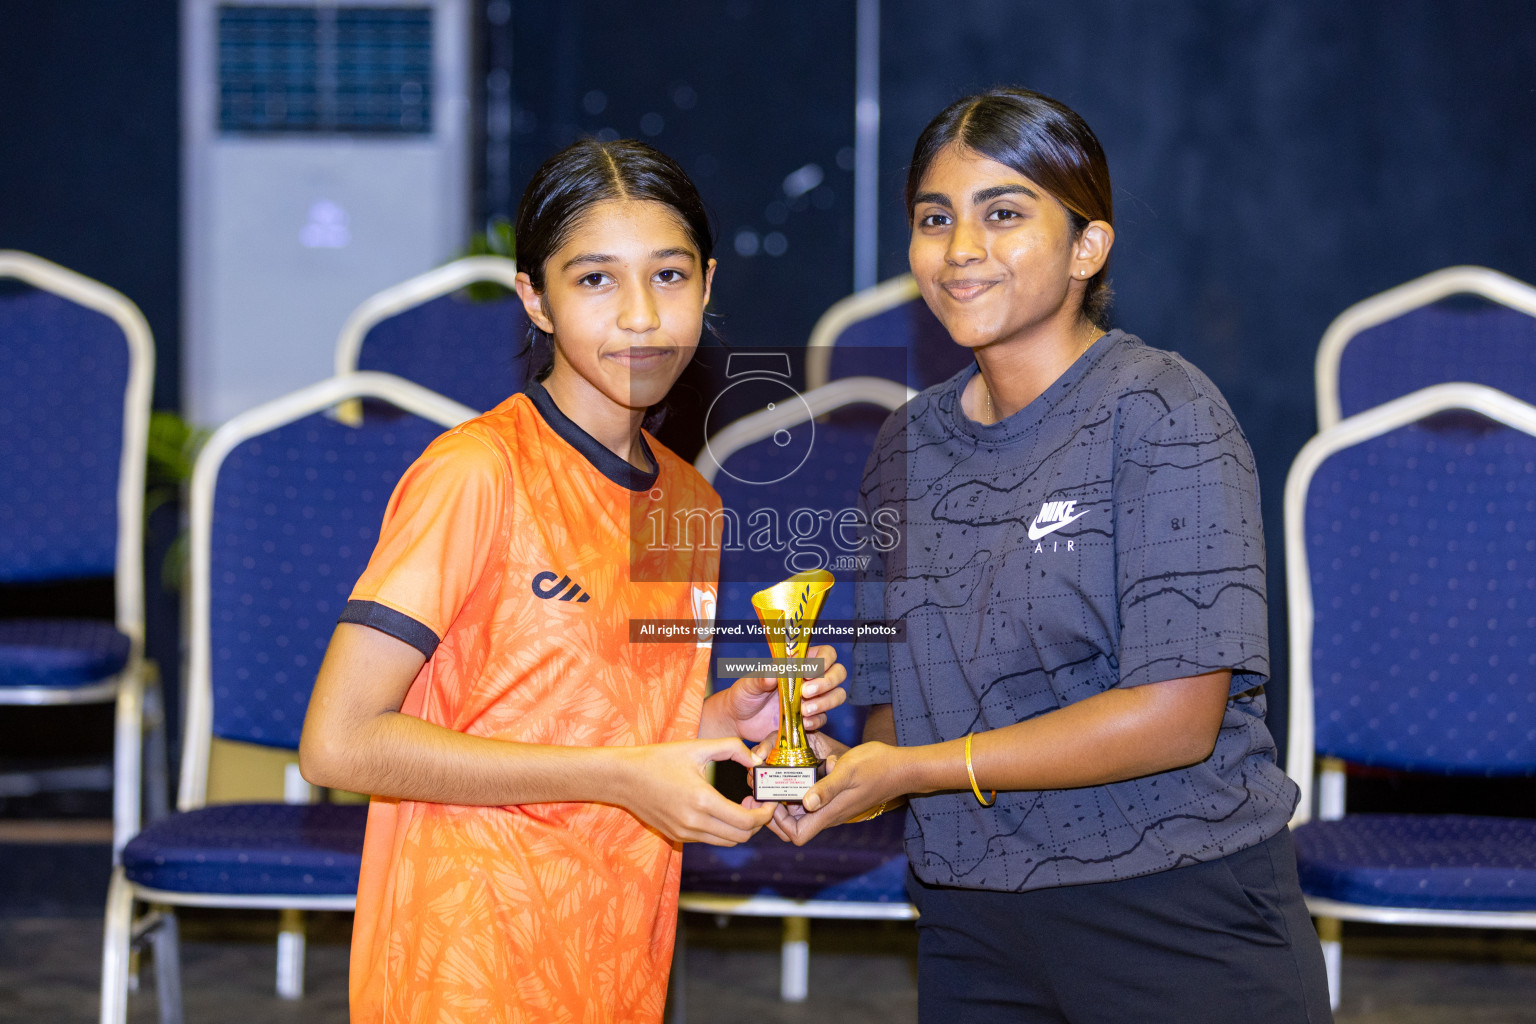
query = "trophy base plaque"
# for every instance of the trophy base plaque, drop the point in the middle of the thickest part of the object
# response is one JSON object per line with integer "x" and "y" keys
{"x": 785, "y": 785}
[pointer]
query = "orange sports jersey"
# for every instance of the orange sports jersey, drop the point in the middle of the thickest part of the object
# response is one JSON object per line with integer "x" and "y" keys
{"x": 505, "y": 557}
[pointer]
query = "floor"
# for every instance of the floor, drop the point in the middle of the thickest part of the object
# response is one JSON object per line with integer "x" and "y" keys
{"x": 861, "y": 972}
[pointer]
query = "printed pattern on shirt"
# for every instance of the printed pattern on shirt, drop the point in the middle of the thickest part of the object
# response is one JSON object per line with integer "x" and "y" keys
{"x": 557, "y": 911}
{"x": 1107, "y": 535}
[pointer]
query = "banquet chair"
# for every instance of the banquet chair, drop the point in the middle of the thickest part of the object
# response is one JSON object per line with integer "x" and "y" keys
{"x": 885, "y": 331}
{"x": 433, "y": 331}
{"x": 854, "y": 871}
{"x": 1412, "y": 593}
{"x": 1467, "y": 324}
{"x": 76, "y": 369}
{"x": 286, "y": 503}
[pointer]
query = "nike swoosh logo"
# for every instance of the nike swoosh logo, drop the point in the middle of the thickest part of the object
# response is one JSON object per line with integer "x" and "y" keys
{"x": 1036, "y": 532}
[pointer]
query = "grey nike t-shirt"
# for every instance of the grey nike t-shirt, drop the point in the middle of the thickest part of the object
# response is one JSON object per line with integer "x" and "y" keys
{"x": 1107, "y": 535}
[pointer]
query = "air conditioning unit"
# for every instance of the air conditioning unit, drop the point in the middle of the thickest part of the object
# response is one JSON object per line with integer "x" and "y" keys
{"x": 325, "y": 158}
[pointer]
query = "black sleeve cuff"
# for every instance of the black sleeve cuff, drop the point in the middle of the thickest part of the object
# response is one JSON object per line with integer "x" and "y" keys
{"x": 395, "y": 624}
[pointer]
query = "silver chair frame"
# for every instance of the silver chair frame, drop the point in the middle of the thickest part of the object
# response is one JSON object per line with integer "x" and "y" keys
{"x": 408, "y": 294}
{"x": 136, "y": 688}
{"x": 861, "y": 305}
{"x": 160, "y": 924}
{"x": 1327, "y": 804}
{"x": 1393, "y": 303}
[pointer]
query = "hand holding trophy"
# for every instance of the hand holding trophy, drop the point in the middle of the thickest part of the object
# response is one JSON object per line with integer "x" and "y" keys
{"x": 788, "y": 613}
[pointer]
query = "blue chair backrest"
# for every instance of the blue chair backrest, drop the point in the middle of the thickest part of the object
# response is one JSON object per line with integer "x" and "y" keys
{"x": 904, "y": 343}
{"x": 472, "y": 352}
{"x": 63, "y": 376}
{"x": 1423, "y": 574}
{"x": 827, "y": 482}
{"x": 296, "y": 514}
{"x": 1458, "y": 339}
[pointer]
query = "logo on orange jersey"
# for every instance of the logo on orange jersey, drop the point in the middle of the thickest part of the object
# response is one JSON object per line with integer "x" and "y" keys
{"x": 565, "y": 589}
{"x": 703, "y": 599}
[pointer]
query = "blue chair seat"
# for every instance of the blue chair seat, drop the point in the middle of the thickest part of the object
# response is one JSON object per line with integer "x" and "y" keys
{"x": 252, "y": 850}
{"x": 862, "y": 862}
{"x": 1435, "y": 862}
{"x": 60, "y": 652}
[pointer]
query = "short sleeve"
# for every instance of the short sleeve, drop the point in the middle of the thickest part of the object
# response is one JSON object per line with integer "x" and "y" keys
{"x": 437, "y": 537}
{"x": 1189, "y": 549}
{"x": 870, "y": 678}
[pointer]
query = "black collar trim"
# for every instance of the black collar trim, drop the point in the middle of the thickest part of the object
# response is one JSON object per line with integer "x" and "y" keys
{"x": 603, "y": 460}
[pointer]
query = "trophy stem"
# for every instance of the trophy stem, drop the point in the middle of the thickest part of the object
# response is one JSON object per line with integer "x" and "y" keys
{"x": 793, "y": 750}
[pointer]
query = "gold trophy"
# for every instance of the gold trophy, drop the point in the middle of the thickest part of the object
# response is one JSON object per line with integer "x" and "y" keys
{"x": 788, "y": 612}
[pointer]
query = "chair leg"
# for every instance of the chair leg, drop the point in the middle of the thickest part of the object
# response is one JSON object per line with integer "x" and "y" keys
{"x": 290, "y": 935}
{"x": 127, "y": 759}
{"x": 1330, "y": 931}
{"x": 290, "y": 955}
{"x": 167, "y": 940}
{"x": 794, "y": 970}
{"x": 114, "y": 950}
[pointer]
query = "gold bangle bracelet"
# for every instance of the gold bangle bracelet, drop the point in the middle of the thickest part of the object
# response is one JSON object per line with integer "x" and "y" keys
{"x": 969, "y": 771}
{"x": 873, "y": 812}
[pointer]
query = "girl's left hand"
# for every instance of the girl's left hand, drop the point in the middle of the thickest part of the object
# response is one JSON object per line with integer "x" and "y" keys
{"x": 753, "y": 702}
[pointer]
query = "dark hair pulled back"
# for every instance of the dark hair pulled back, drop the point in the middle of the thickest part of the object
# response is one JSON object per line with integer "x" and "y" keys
{"x": 1045, "y": 141}
{"x": 588, "y": 173}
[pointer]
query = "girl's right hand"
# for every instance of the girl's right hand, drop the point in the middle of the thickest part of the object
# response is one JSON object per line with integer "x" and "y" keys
{"x": 858, "y": 780}
{"x": 828, "y": 748}
{"x": 664, "y": 785}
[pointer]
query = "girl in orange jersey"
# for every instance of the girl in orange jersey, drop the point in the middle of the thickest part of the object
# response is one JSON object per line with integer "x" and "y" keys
{"x": 534, "y": 772}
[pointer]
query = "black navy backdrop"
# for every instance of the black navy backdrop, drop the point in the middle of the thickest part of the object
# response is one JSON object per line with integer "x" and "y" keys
{"x": 89, "y": 174}
{"x": 1273, "y": 162}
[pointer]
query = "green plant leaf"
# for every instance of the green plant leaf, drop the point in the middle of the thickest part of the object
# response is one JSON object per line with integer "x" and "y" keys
{"x": 172, "y": 449}
{"x": 496, "y": 240}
